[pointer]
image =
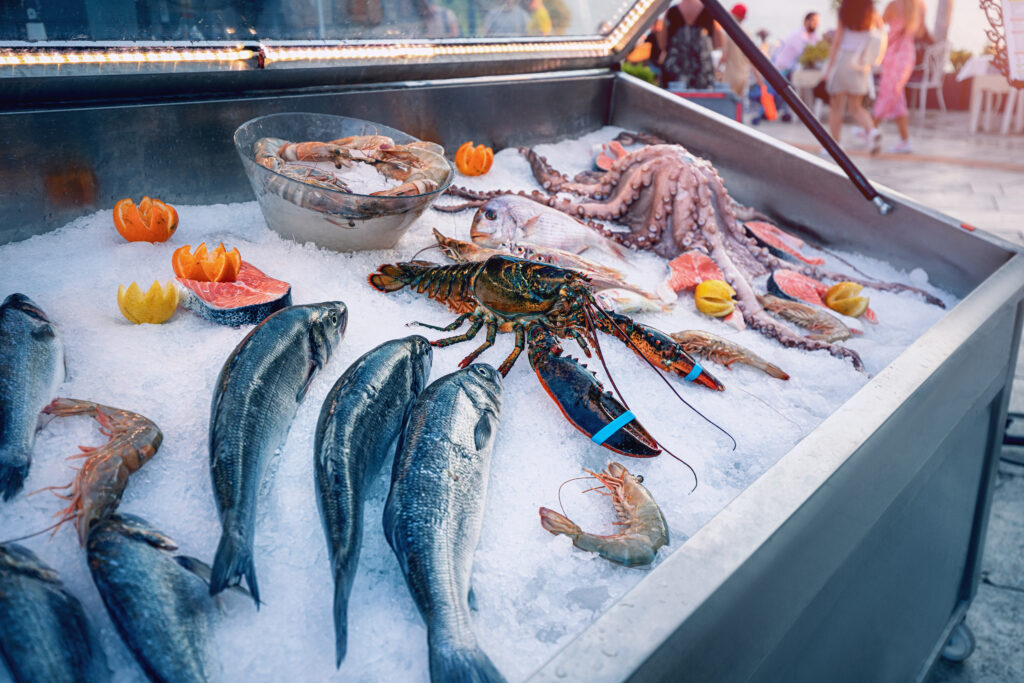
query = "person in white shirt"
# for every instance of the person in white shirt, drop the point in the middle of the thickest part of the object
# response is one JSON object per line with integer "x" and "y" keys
{"x": 791, "y": 49}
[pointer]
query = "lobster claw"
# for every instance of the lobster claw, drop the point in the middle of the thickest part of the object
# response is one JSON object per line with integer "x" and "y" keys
{"x": 580, "y": 397}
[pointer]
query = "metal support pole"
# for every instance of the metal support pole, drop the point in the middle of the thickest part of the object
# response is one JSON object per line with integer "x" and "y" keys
{"x": 783, "y": 88}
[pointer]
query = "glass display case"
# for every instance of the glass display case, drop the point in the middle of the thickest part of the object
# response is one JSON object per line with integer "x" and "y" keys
{"x": 854, "y": 555}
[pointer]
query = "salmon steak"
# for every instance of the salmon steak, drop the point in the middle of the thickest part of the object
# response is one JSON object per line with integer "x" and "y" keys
{"x": 246, "y": 301}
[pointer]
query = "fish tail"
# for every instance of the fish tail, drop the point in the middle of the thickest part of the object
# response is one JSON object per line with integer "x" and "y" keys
{"x": 341, "y": 591}
{"x": 13, "y": 471}
{"x": 232, "y": 562}
{"x": 558, "y": 523}
{"x": 461, "y": 664}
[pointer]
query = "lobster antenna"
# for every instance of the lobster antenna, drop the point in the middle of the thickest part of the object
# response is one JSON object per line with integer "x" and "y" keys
{"x": 667, "y": 383}
{"x": 600, "y": 357}
{"x": 37, "y": 533}
{"x": 769, "y": 406}
{"x": 844, "y": 261}
{"x": 562, "y": 507}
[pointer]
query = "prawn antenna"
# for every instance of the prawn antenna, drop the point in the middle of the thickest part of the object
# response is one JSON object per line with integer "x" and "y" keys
{"x": 426, "y": 248}
{"x": 562, "y": 507}
{"x": 40, "y": 532}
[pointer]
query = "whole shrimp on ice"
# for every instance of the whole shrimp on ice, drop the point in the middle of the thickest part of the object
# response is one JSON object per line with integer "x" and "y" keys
{"x": 715, "y": 348}
{"x": 96, "y": 489}
{"x": 643, "y": 528}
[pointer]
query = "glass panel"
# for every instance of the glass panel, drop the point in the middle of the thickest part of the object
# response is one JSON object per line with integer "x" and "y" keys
{"x": 303, "y": 20}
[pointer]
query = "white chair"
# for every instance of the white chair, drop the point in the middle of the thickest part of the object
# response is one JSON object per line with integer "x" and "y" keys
{"x": 932, "y": 69}
{"x": 1014, "y": 102}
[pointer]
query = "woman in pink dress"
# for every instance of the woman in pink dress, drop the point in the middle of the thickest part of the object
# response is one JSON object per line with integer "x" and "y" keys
{"x": 906, "y": 22}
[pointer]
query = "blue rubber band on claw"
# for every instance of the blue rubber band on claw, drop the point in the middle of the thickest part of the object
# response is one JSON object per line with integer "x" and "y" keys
{"x": 695, "y": 373}
{"x": 615, "y": 425}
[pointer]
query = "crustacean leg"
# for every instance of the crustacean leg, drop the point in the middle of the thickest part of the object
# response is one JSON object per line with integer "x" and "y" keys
{"x": 446, "y": 328}
{"x": 466, "y": 336}
{"x": 492, "y": 333}
{"x": 507, "y": 364}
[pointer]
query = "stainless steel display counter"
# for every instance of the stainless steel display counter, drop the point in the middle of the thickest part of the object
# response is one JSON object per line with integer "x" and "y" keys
{"x": 856, "y": 555}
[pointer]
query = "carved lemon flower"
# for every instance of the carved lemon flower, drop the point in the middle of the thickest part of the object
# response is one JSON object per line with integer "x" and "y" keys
{"x": 842, "y": 298}
{"x": 155, "y": 306}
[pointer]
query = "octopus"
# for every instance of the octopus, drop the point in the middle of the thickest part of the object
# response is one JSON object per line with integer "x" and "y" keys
{"x": 672, "y": 202}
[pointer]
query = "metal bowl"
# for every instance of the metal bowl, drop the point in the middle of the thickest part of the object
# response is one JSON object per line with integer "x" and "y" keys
{"x": 338, "y": 220}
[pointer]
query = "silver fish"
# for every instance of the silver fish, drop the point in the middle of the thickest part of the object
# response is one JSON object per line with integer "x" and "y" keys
{"x": 516, "y": 219}
{"x": 257, "y": 395}
{"x": 823, "y": 326}
{"x": 435, "y": 509}
{"x": 31, "y": 370}
{"x": 159, "y": 602}
{"x": 360, "y": 422}
{"x": 44, "y": 634}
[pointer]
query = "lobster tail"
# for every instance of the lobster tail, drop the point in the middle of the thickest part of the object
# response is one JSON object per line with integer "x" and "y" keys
{"x": 388, "y": 278}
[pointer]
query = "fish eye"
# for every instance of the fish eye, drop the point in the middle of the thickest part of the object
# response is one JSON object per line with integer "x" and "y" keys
{"x": 480, "y": 370}
{"x": 334, "y": 317}
{"x": 490, "y": 214}
{"x": 639, "y": 478}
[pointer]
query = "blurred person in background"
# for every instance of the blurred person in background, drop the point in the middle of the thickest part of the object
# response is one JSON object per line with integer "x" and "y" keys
{"x": 786, "y": 56}
{"x": 438, "y": 21}
{"x": 736, "y": 68}
{"x": 506, "y": 18}
{"x": 688, "y": 36}
{"x": 848, "y": 74}
{"x": 540, "y": 20}
{"x": 906, "y": 23}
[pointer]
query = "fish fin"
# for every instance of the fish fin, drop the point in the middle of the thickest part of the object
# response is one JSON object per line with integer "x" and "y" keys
{"x": 461, "y": 664}
{"x": 471, "y": 599}
{"x": 557, "y": 523}
{"x": 232, "y": 562}
{"x": 12, "y": 478}
{"x": 530, "y": 226}
{"x": 613, "y": 248}
{"x": 484, "y": 431}
{"x": 43, "y": 333}
{"x": 341, "y": 593}
{"x": 311, "y": 373}
{"x": 205, "y": 572}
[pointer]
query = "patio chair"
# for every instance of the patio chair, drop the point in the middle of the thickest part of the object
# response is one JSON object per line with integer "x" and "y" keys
{"x": 931, "y": 69}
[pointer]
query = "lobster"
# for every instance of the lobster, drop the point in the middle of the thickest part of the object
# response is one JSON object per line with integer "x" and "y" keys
{"x": 541, "y": 304}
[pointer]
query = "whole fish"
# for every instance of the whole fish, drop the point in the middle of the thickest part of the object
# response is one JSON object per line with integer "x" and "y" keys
{"x": 44, "y": 635}
{"x": 434, "y": 512}
{"x": 31, "y": 370}
{"x": 257, "y": 395}
{"x": 823, "y": 326}
{"x": 157, "y": 601}
{"x": 715, "y": 348}
{"x": 516, "y": 219}
{"x": 360, "y": 422}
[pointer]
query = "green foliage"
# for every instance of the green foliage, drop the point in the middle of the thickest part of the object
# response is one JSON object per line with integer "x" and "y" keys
{"x": 814, "y": 55}
{"x": 640, "y": 71}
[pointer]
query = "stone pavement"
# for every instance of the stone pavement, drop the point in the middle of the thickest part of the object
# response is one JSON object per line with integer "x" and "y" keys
{"x": 980, "y": 180}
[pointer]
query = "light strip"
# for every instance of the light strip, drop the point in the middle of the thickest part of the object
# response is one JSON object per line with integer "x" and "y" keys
{"x": 393, "y": 51}
{"x": 32, "y": 58}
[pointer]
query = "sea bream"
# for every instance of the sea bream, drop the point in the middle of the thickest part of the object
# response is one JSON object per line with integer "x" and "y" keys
{"x": 515, "y": 219}
{"x": 31, "y": 370}
{"x": 434, "y": 512}
{"x": 159, "y": 602}
{"x": 360, "y": 422}
{"x": 44, "y": 634}
{"x": 256, "y": 398}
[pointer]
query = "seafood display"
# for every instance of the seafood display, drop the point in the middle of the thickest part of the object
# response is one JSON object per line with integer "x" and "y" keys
{"x": 362, "y": 417}
{"x": 540, "y": 302}
{"x": 44, "y": 633}
{"x": 159, "y": 602}
{"x": 31, "y": 370}
{"x": 97, "y": 487}
{"x": 671, "y": 202}
{"x": 257, "y": 394}
{"x": 461, "y": 505}
{"x": 642, "y": 527}
{"x": 821, "y": 325}
{"x": 434, "y": 512}
{"x": 247, "y": 300}
{"x": 419, "y": 167}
